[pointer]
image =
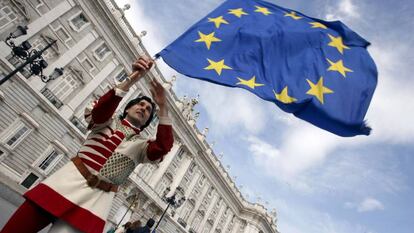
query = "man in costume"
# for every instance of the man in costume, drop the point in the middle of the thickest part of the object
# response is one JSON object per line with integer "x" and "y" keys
{"x": 78, "y": 197}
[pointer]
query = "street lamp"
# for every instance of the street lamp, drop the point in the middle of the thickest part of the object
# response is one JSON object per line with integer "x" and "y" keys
{"x": 33, "y": 57}
{"x": 133, "y": 198}
{"x": 171, "y": 202}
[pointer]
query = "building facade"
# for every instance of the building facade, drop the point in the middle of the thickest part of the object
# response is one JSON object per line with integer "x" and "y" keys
{"x": 41, "y": 124}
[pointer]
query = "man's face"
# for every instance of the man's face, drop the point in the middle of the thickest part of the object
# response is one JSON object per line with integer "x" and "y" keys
{"x": 139, "y": 113}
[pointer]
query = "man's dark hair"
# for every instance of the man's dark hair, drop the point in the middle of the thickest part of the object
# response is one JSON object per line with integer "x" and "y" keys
{"x": 136, "y": 101}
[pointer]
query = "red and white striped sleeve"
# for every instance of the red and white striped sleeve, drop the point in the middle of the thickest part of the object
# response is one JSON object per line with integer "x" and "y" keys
{"x": 101, "y": 111}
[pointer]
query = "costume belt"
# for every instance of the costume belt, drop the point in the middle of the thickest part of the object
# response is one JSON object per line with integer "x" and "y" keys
{"x": 92, "y": 180}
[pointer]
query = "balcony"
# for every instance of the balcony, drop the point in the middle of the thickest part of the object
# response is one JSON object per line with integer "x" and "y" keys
{"x": 51, "y": 97}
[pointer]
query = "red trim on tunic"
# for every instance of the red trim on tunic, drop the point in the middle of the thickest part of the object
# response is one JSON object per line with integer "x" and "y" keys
{"x": 62, "y": 208}
{"x": 119, "y": 134}
{"x": 92, "y": 164}
{"x": 104, "y": 135}
{"x": 108, "y": 144}
{"x": 126, "y": 123}
{"x": 94, "y": 157}
{"x": 100, "y": 150}
{"x": 115, "y": 140}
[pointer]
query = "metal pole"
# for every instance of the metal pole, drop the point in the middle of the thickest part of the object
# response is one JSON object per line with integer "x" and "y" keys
{"x": 28, "y": 61}
{"x": 159, "y": 221}
{"x": 132, "y": 203}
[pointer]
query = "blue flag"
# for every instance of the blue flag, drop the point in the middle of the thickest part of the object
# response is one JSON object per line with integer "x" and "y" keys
{"x": 319, "y": 71}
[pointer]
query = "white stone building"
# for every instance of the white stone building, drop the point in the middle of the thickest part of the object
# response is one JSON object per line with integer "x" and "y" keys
{"x": 41, "y": 124}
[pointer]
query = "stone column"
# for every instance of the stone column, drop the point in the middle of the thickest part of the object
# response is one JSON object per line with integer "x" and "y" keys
{"x": 187, "y": 192}
{"x": 236, "y": 226}
{"x": 219, "y": 216}
{"x": 159, "y": 172}
{"x": 181, "y": 171}
{"x": 209, "y": 209}
{"x": 198, "y": 203}
{"x": 227, "y": 222}
{"x": 194, "y": 180}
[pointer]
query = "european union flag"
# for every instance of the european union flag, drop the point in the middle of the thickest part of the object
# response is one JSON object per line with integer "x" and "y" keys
{"x": 319, "y": 71}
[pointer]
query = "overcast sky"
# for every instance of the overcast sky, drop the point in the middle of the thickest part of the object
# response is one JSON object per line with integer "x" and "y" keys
{"x": 318, "y": 182}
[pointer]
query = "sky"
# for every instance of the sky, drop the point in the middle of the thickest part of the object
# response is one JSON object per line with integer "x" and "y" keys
{"x": 316, "y": 181}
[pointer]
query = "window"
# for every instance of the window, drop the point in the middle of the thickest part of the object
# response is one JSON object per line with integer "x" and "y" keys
{"x": 146, "y": 171}
{"x": 39, "y": 44}
{"x": 18, "y": 131}
{"x": 29, "y": 180}
{"x": 174, "y": 166}
{"x": 15, "y": 138}
{"x": 210, "y": 192}
{"x": 192, "y": 167}
{"x": 64, "y": 86}
{"x": 87, "y": 64}
{"x": 78, "y": 22}
{"x": 201, "y": 180}
{"x": 180, "y": 155}
{"x": 80, "y": 124}
{"x": 40, "y": 6}
{"x": 101, "y": 52}
{"x": 187, "y": 209}
{"x": 48, "y": 161}
{"x": 51, "y": 97}
{"x": 62, "y": 34}
{"x": 165, "y": 182}
{"x": 6, "y": 16}
{"x": 184, "y": 182}
{"x": 121, "y": 76}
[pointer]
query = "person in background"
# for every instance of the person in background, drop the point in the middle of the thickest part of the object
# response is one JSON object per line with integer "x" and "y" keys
{"x": 123, "y": 228}
{"x": 147, "y": 227}
{"x": 135, "y": 225}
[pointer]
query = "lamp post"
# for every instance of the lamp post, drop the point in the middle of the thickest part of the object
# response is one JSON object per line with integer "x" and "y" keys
{"x": 134, "y": 198}
{"x": 33, "y": 58}
{"x": 171, "y": 201}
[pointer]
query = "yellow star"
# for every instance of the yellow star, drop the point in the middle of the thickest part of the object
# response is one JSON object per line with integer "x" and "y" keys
{"x": 318, "y": 25}
{"x": 318, "y": 90}
{"x": 263, "y": 10}
{"x": 218, "y": 21}
{"x": 293, "y": 15}
{"x": 337, "y": 43}
{"x": 217, "y": 66}
{"x": 208, "y": 39}
{"x": 339, "y": 66}
{"x": 250, "y": 83}
{"x": 237, "y": 12}
{"x": 284, "y": 97}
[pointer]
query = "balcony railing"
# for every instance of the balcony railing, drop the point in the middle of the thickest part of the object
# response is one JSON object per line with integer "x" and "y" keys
{"x": 51, "y": 97}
